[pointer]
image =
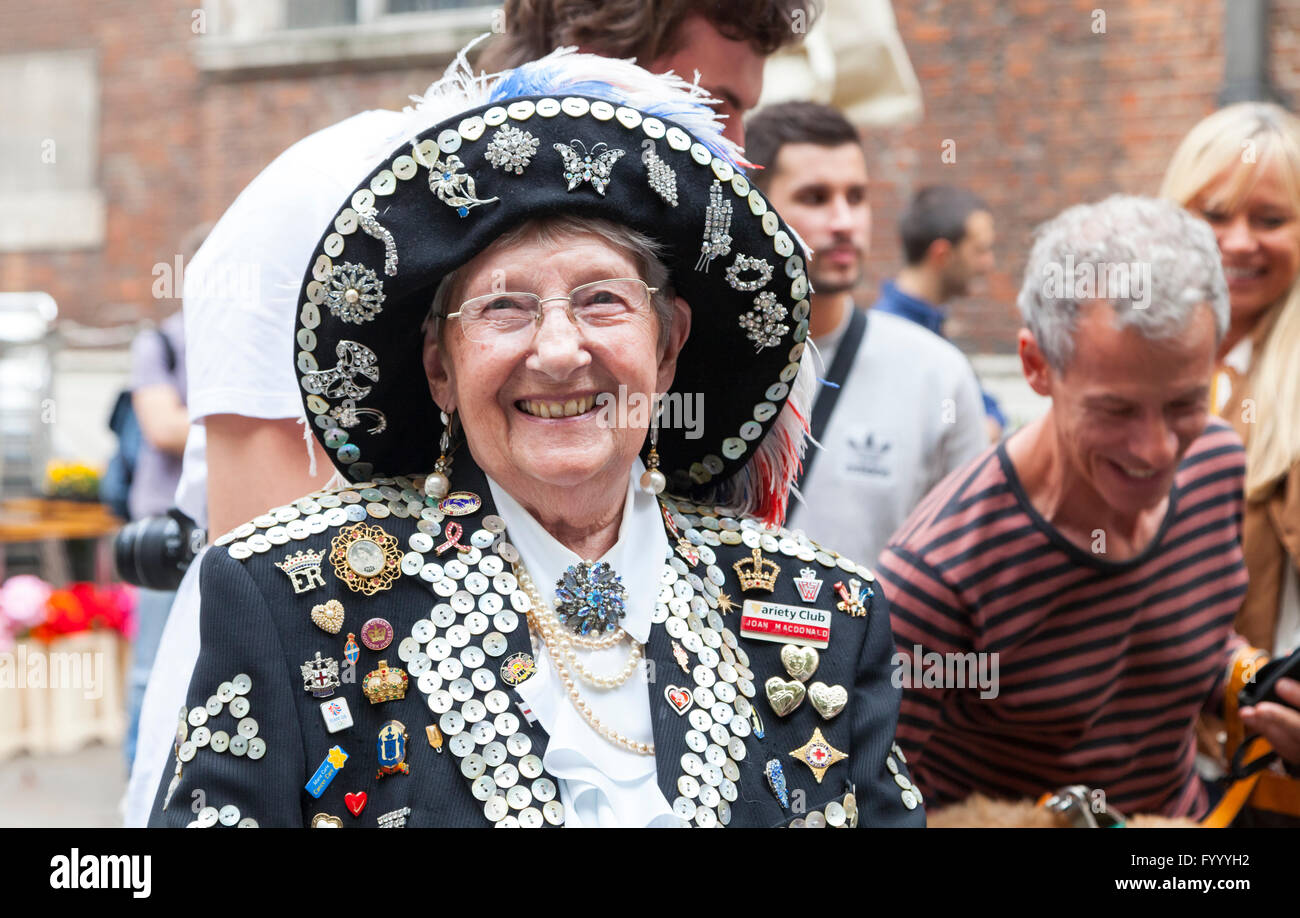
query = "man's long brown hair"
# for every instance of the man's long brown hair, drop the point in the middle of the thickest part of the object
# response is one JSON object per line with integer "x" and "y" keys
{"x": 644, "y": 29}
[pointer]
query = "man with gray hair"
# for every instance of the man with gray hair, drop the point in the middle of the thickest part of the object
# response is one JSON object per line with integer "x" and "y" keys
{"x": 1092, "y": 560}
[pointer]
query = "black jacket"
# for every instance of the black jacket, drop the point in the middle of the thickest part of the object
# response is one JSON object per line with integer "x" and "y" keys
{"x": 254, "y": 624}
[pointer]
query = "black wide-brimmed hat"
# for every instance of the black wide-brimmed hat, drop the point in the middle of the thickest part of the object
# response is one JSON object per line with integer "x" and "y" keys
{"x": 587, "y": 136}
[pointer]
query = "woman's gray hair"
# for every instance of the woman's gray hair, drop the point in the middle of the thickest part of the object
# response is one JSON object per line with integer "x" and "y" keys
{"x": 1153, "y": 261}
{"x": 644, "y": 251}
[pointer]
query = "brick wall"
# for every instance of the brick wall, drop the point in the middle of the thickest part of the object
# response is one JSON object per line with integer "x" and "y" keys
{"x": 1044, "y": 112}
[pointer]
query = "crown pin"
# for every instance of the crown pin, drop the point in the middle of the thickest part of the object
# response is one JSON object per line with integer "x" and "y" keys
{"x": 757, "y": 573}
{"x": 303, "y": 569}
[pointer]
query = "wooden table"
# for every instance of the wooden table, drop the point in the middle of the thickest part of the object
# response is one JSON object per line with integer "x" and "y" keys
{"x": 51, "y": 524}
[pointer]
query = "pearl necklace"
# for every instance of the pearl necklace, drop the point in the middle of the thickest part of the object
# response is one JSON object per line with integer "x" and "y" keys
{"x": 563, "y": 656}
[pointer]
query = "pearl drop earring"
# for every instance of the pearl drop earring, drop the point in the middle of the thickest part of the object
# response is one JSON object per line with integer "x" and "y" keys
{"x": 437, "y": 484}
{"x": 653, "y": 480}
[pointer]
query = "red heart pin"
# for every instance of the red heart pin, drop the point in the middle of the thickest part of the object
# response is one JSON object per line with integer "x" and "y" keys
{"x": 355, "y": 802}
{"x": 679, "y": 698}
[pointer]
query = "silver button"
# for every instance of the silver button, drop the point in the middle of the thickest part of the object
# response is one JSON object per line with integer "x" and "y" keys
{"x": 728, "y": 790}
{"x": 458, "y": 635}
{"x": 474, "y": 711}
{"x": 712, "y": 776}
{"x": 507, "y": 775}
{"x": 248, "y": 822}
{"x": 238, "y": 745}
{"x": 247, "y": 728}
{"x": 531, "y": 818}
{"x": 891, "y": 764}
{"x": 239, "y": 707}
{"x": 423, "y": 631}
{"x": 490, "y": 604}
{"x": 443, "y": 615}
{"x": 496, "y": 702}
{"x": 703, "y": 697}
{"x": 688, "y": 786}
{"x": 450, "y": 669}
{"x": 460, "y": 689}
{"x": 461, "y": 745}
{"x": 902, "y": 781}
{"x": 494, "y": 643}
{"x": 419, "y": 665}
{"x": 256, "y": 748}
{"x": 553, "y": 812}
{"x": 440, "y": 701}
{"x": 220, "y": 741}
{"x": 519, "y": 744}
{"x": 835, "y": 814}
{"x": 530, "y": 766}
{"x": 506, "y": 723}
{"x": 730, "y": 770}
{"x": 721, "y": 713}
{"x": 715, "y": 755}
{"x": 691, "y": 764}
{"x": 544, "y": 789}
{"x": 229, "y": 814}
{"x": 700, "y": 719}
{"x": 472, "y": 765}
{"x": 451, "y": 723}
{"x": 214, "y": 706}
{"x": 200, "y": 737}
{"x": 815, "y": 820}
{"x": 208, "y": 816}
{"x": 705, "y": 818}
{"x": 719, "y": 734}
{"x": 709, "y": 795}
{"x": 421, "y": 542}
{"x": 198, "y": 717}
{"x": 494, "y": 754}
{"x": 226, "y": 691}
{"x": 476, "y": 583}
{"x": 429, "y": 682}
{"x": 407, "y": 649}
{"x": 439, "y": 649}
{"x": 492, "y": 565}
{"x": 684, "y": 808}
{"x": 909, "y": 800}
{"x": 483, "y": 787}
{"x": 496, "y": 808}
{"x": 242, "y": 684}
{"x": 519, "y": 797}
{"x": 476, "y": 623}
{"x": 736, "y": 749}
{"x": 186, "y": 751}
{"x": 696, "y": 741}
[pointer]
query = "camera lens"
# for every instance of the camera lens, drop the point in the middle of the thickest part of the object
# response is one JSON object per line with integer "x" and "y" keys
{"x": 155, "y": 551}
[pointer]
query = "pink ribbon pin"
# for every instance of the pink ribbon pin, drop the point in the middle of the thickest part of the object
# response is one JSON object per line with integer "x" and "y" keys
{"x": 454, "y": 532}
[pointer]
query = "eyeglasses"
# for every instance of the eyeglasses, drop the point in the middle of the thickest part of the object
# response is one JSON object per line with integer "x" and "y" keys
{"x": 498, "y": 318}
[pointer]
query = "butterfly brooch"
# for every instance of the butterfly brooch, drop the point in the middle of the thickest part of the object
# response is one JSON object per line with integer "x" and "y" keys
{"x": 591, "y": 166}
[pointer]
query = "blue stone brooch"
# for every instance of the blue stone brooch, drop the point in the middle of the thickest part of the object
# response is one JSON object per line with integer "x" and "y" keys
{"x": 590, "y": 598}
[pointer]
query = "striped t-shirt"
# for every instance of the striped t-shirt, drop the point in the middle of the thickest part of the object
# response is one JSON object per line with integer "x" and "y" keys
{"x": 1102, "y": 667}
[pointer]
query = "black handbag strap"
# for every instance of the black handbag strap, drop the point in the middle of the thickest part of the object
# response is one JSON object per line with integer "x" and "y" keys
{"x": 830, "y": 392}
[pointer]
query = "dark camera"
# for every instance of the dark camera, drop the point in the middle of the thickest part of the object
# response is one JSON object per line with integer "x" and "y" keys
{"x": 155, "y": 551}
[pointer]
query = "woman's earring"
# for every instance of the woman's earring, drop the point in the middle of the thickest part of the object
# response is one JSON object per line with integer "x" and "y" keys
{"x": 653, "y": 480}
{"x": 438, "y": 482}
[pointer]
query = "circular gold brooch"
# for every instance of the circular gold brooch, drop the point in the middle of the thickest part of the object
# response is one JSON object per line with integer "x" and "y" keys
{"x": 366, "y": 558}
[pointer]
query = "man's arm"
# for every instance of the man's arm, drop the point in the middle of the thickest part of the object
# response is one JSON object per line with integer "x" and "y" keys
{"x": 255, "y": 464}
{"x": 163, "y": 418}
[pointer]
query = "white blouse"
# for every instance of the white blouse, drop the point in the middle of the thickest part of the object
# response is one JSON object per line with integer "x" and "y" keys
{"x": 601, "y": 784}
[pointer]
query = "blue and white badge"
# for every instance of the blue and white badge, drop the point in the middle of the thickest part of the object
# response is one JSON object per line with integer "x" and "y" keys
{"x": 334, "y": 761}
{"x": 336, "y": 714}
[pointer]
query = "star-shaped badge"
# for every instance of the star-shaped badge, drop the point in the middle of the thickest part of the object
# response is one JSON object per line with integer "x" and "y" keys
{"x": 818, "y": 754}
{"x": 725, "y": 604}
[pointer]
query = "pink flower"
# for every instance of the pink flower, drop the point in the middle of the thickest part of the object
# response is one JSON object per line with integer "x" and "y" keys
{"x": 23, "y": 602}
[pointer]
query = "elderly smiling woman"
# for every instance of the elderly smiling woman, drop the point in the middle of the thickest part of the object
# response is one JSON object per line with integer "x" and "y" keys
{"x": 568, "y": 615}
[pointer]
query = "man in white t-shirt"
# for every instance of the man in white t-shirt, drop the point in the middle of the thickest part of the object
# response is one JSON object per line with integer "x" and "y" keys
{"x": 909, "y": 409}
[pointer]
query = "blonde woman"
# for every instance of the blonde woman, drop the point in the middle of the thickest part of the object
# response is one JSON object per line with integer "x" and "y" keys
{"x": 1239, "y": 168}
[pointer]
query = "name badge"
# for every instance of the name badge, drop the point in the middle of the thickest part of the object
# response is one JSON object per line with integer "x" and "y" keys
{"x": 774, "y": 621}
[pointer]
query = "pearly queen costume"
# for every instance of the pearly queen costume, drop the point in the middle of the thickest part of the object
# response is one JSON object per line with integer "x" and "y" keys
{"x": 416, "y": 650}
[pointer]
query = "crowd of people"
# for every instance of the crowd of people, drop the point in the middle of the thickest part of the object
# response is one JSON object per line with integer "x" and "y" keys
{"x": 1121, "y": 566}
